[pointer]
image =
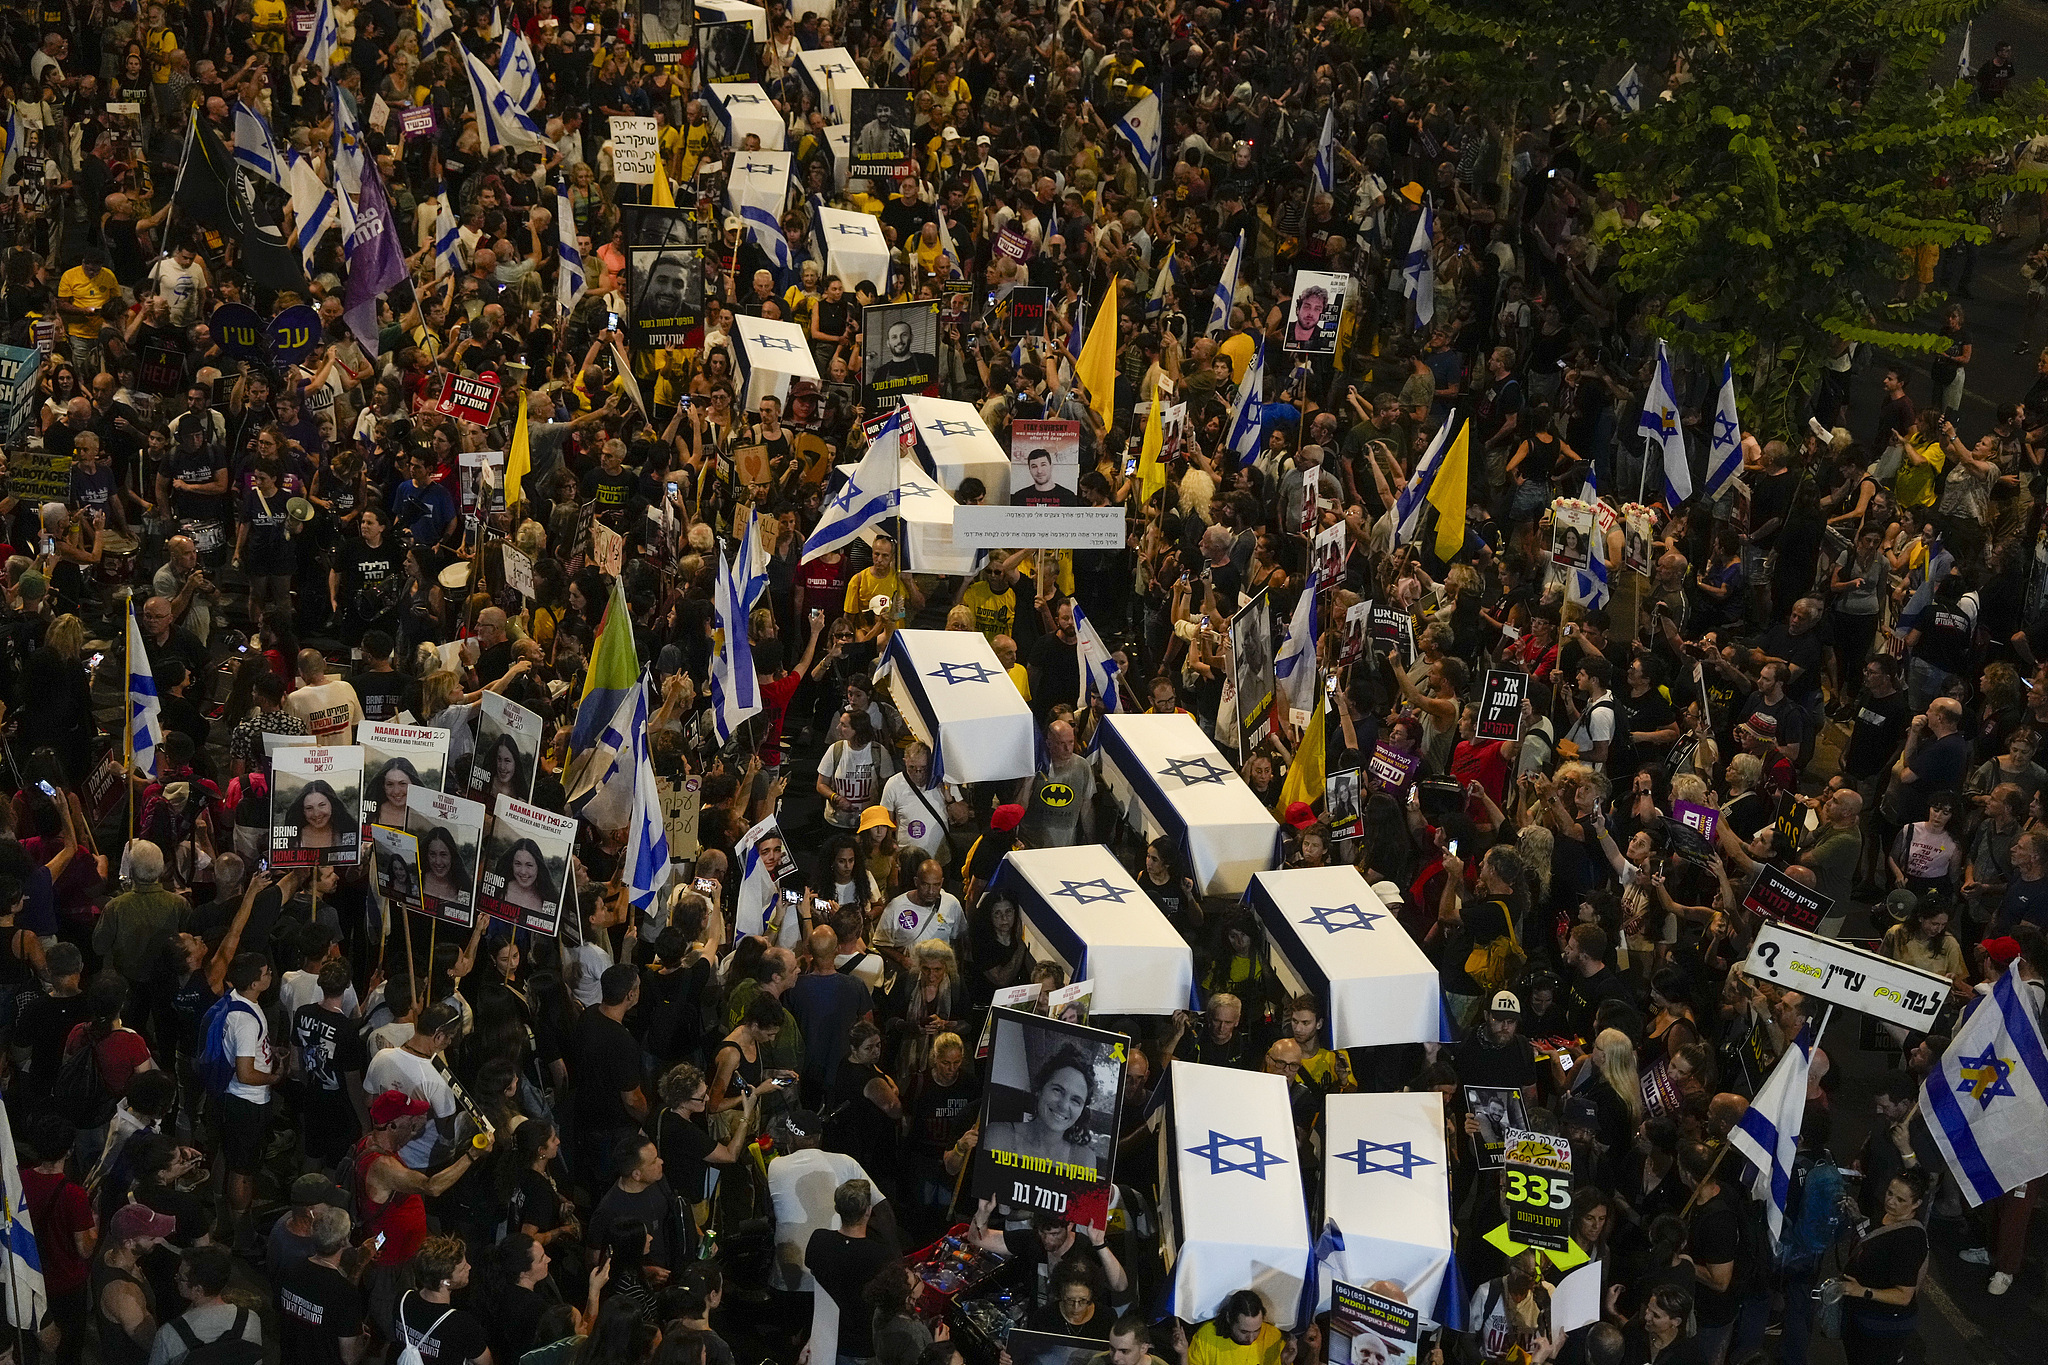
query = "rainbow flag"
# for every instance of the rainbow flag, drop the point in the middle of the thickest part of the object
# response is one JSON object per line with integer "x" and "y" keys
{"x": 614, "y": 669}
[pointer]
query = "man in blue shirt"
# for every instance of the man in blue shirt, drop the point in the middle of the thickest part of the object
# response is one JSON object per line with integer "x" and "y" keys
{"x": 2026, "y": 895}
{"x": 423, "y": 507}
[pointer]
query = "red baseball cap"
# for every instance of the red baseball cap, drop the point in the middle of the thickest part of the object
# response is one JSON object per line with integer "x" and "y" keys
{"x": 1301, "y": 815}
{"x": 1006, "y": 817}
{"x": 392, "y": 1106}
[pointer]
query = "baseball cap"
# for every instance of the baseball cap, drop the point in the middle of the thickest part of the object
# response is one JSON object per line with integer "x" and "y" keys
{"x": 1504, "y": 1002}
{"x": 392, "y": 1106}
{"x": 950, "y": 134}
{"x": 876, "y": 815}
{"x": 2002, "y": 950}
{"x": 984, "y": 140}
{"x": 1580, "y": 1112}
{"x": 803, "y": 1122}
{"x": 1006, "y": 817}
{"x": 140, "y": 1220}
{"x": 1301, "y": 815}
{"x": 312, "y": 1190}
{"x": 733, "y": 223}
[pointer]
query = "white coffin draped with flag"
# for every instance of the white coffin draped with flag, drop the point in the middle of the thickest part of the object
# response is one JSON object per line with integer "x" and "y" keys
{"x": 954, "y": 694}
{"x": 927, "y": 512}
{"x": 775, "y": 353}
{"x": 839, "y": 137}
{"x": 1234, "y": 1215}
{"x": 855, "y": 248}
{"x": 955, "y": 444}
{"x": 732, "y": 12}
{"x": 1335, "y": 939}
{"x": 1387, "y": 1187}
{"x": 833, "y": 79}
{"x": 1169, "y": 780}
{"x": 741, "y": 107}
{"x": 1083, "y": 910}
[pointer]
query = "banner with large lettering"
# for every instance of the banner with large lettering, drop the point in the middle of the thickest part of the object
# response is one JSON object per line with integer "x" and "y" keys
{"x": 313, "y": 797}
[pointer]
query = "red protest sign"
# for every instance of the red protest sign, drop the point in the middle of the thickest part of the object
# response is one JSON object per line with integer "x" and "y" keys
{"x": 469, "y": 399}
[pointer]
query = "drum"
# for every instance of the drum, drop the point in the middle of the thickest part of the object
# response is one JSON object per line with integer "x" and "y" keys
{"x": 119, "y": 555}
{"x": 210, "y": 538}
{"x": 456, "y": 575}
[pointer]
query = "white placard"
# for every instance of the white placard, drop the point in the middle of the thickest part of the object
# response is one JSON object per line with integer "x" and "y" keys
{"x": 518, "y": 570}
{"x": 380, "y": 112}
{"x": 1840, "y": 974}
{"x": 1575, "y": 1303}
{"x": 130, "y": 107}
{"x": 636, "y": 150}
{"x": 1075, "y": 528}
{"x": 313, "y": 797}
{"x": 607, "y": 548}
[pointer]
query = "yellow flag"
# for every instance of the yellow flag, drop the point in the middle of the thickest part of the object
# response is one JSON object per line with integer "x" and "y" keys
{"x": 519, "y": 459}
{"x": 1447, "y": 495}
{"x": 1305, "y": 778}
{"x": 1096, "y": 369}
{"x": 1151, "y": 473}
{"x": 664, "y": 197}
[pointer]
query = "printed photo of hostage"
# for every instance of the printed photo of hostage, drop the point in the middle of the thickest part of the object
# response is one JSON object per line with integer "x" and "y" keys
{"x": 525, "y": 877}
{"x": 881, "y": 142}
{"x": 1049, "y": 1116}
{"x": 397, "y": 857}
{"x": 900, "y": 350}
{"x": 314, "y": 794}
{"x": 1368, "y": 1328}
{"x": 451, "y": 835}
{"x": 397, "y": 758}
{"x": 507, "y": 751}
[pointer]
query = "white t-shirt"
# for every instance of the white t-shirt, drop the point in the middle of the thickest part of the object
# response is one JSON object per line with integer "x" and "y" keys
{"x": 180, "y": 287}
{"x": 920, "y": 816}
{"x": 800, "y": 1185}
{"x": 331, "y": 711}
{"x": 870, "y": 969}
{"x": 905, "y": 922}
{"x": 856, "y": 774}
{"x": 248, "y": 1035}
{"x": 396, "y": 1068}
{"x": 1595, "y": 726}
{"x": 303, "y": 988}
{"x": 586, "y": 982}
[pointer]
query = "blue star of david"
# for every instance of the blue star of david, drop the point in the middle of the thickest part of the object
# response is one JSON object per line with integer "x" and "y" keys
{"x": 522, "y": 65}
{"x": 1367, "y": 1165}
{"x": 772, "y": 343}
{"x": 916, "y": 490}
{"x": 1200, "y": 768}
{"x": 1725, "y": 431}
{"x": 752, "y": 169}
{"x": 1993, "y": 1077}
{"x": 844, "y": 502}
{"x": 944, "y": 428}
{"x": 833, "y": 69}
{"x": 1219, "y": 1164}
{"x": 1093, "y": 890}
{"x": 857, "y": 229}
{"x": 1334, "y": 919}
{"x": 958, "y": 673}
{"x": 1628, "y": 92}
{"x": 743, "y": 99}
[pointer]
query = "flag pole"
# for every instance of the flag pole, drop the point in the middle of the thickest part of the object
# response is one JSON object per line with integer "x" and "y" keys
{"x": 128, "y": 703}
{"x": 1643, "y": 483}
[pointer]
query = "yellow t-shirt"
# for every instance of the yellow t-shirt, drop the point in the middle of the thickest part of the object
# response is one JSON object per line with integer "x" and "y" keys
{"x": 1210, "y": 1347}
{"x": 270, "y": 12}
{"x": 157, "y": 50}
{"x": 1239, "y": 348}
{"x": 1022, "y": 677}
{"x": 994, "y": 613}
{"x": 87, "y": 291}
{"x": 1913, "y": 485}
{"x": 868, "y": 584}
{"x": 696, "y": 139}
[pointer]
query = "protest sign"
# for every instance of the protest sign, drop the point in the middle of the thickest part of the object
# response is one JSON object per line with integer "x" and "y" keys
{"x": 1537, "y": 1186}
{"x": 1840, "y": 973}
{"x": 469, "y": 399}
{"x": 451, "y": 835}
{"x": 525, "y": 876}
{"x": 1042, "y": 1067}
{"x": 313, "y": 796}
{"x": 1370, "y": 1329}
{"x": 1500, "y": 705}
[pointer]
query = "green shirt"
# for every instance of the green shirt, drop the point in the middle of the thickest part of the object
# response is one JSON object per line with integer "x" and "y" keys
{"x": 135, "y": 930}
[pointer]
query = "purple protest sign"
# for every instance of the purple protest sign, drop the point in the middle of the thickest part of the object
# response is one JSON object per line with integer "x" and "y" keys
{"x": 376, "y": 262}
{"x": 1391, "y": 770}
{"x": 417, "y": 122}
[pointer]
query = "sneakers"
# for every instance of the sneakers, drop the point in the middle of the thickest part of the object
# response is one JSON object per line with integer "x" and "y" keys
{"x": 2000, "y": 1282}
{"x": 1975, "y": 1255}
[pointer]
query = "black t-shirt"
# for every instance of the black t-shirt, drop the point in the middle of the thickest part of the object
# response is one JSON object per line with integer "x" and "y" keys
{"x": 1512, "y": 1066}
{"x": 364, "y": 567}
{"x": 46, "y": 1021}
{"x": 611, "y": 492}
{"x": 459, "y": 1338}
{"x": 515, "y": 1314}
{"x": 1058, "y": 671}
{"x": 1881, "y": 724}
{"x": 1716, "y": 1239}
{"x": 265, "y": 550}
{"x": 1647, "y": 713}
{"x": 844, "y": 1267}
{"x": 939, "y": 1114}
{"x": 534, "y": 1200}
{"x": 318, "y": 1308}
{"x": 605, "y": 1059}
{"x": 329, "y": 1047}
{"x": 198, "y": 466}
{"x": 652, "y": 1206}
{"x": 1585, "y": 995}
{"x": 684, "y": 1147}
{"x": 1888, "y": 1258}
{"x": 382, "y": 694}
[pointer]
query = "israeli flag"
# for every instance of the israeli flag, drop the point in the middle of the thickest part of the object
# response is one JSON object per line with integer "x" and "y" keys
{"x": 322, "y": 39}
{"x": 434, "y": 23}
{"x": 1163, "y": 280}
{"x": 1769, "y": 1133}
{"x": 607, "y": 777}
{"x": 448, "y": 237}
{"x": 28, "y": 1294}
{"x": 902, "y": 39}
{"x": 1294, "y": 666}
{"x": 751, "y": 564}
{"x": 569, "y": 278}
{"x": 1412, "y": 502}
{"x": 255, "y": 148}
{"x": 1628, "y": 91}
{"x": 1724, "y": 454}
{"x": 1140, "y": 128}
{"x": 1589, "y": 585}
{"x": 950, "y": 251}
{"x": 1589, "y": 491}
{"x": 349, "y": 159}
{"x": 1987, "y": 1103}
{"x": 517, "y": 70}
{"x": 756, "y": 898}
{"x": 1225, "y": 297}
{"x": 735, "y": 690}
{"x": 500, "y": 122}
{"x": 1418, "y": 272}
{"x": 1098, "y": 666}
{"x": 145, "y": 709}
{"x": 1963, "y": 57}
{"x": 645, "y": 868}
{"x": 496, "y": 28}
{"x": 314, "y": 207}
{"x": 1248, "y": 410}
{"x": 868, "y": 496}
{"x": 1659, "y": 425}
{"x": 757, "y": 187}
{"x": 1326, "y": 154}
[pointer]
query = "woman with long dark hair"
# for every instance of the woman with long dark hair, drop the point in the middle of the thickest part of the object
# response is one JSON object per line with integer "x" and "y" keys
{"x": 1055, "y": 1126}
{"x": 898, "y": 1335}
{"x": 317, "y": 817}
{"x": 627, "y": 1247}
{"x": 389, "y": 790}
{"x": 506, "y": 771}
{"x": 534, "y": 1204}
{"x": 525, "y": 872}
{"x": 445, "y": 876}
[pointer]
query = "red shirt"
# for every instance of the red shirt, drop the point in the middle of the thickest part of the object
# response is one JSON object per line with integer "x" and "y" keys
{"x": 59, "y": 1209}
{"x": 1481, "y": 761}
{"x": 776, "y": 696}
{"x": 824, "y": 586}
{"x": 122, "y": 1054}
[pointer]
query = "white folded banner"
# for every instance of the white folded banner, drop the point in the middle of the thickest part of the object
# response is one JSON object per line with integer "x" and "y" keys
{"x": 957, "y": 698}
{"x": 1170, "y": 780}
{"x": 1335, "y": 939}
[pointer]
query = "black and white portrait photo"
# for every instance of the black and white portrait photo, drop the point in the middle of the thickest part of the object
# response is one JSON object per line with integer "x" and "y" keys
{"x": 451, "y": 834}
{"x": 882, "y": 120}
{"x": 666, "y": 29}
{"x": 525, "y": 873}
{"x": 900, "y": 349}
{"x": 1251, "y": 665}
{"x": 726, "y": 52}
{"x": 1316, "y": 311}
{"x": 1049, "y": 1115}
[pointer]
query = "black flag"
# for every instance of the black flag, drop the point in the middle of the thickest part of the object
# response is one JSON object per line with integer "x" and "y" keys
{"x": 215, "y": 191}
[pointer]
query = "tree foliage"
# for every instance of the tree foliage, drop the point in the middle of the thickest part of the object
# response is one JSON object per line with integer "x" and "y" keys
{"x": 1790, "y": 159}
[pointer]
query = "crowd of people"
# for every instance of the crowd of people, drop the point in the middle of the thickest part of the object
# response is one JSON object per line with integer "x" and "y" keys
{"x": 254, "y": 1111}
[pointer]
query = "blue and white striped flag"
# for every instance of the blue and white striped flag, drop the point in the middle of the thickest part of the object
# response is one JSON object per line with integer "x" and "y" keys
{"x": 255, "y": 147}
{"x": 1163, "y": 280}
{"x": 735, "y": 689}
{"x": 902, "y": 39}
{"x": 1628, "y": 91}
{"x": 1140, "y": 127}
{"x": 1659, "y": 425}
{"x": 1418, "y": 271}
{"x": 1589, "y": 585}
{"x": 1294, "y": 664}
{"x": 1768, "y": 1134}
{"x": 518, "y": 72}
{"x": 645, "y": 868}
{"x": 496, "y": 27}
{"x": 28, "y": 1294}
{"x": 323, "y": 38}
{"x": 1248, "y": 410}
{"x": 500, "y": 122}
{"x": 1411, "y": 504}
{"x": 569, "y": 278}
{"x": 1589, "y": 491}
{"x": 1077, "y": 330}
{"x": 314, "y": 207}
{"x": 1099, "y": 667}
{"x": 751, "y": 563}
{"x": 1724, "y": 454}
{"x": 1987, "y": 1103}
{"x": 145, "y": 709}
{"x": 1225, "y": 297}
{"x": 448, "y": 237}
{"x": 868, "y": 496}
{"x": 349, "y": 157}
{"x": 606, "y": 777}
{"x": 435, "y": 24}
{"x": 1326, "y": 153}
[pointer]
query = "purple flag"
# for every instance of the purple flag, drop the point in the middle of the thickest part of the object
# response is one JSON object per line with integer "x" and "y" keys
{"x": 376, "y": 262}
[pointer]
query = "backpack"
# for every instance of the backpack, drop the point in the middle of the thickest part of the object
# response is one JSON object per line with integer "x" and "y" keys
{"x": 229, "y": 1348}
{"x": 1496, "y": 963}
{"x": 216, "y": 1060}
{"x": 80, "y": 1094}
{"x": 1621, "y": 750}
{"x": 409, "y": 1354}
{"x": 1818, "y": 1212}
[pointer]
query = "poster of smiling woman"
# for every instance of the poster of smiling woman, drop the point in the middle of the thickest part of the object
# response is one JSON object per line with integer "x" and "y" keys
{"x": 451, "y": 835}
{"x": 525, "y": 876}
{"x": 313, "y": 798}
{"x": 1049, "y": 1116}
{"x": 397, "y": 758}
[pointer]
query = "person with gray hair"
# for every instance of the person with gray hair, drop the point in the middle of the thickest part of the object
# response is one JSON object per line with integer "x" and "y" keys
{"x": 845, "y": 1260}
{"x": 320, "y": 1310}
{"x": 136, "y": 925}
